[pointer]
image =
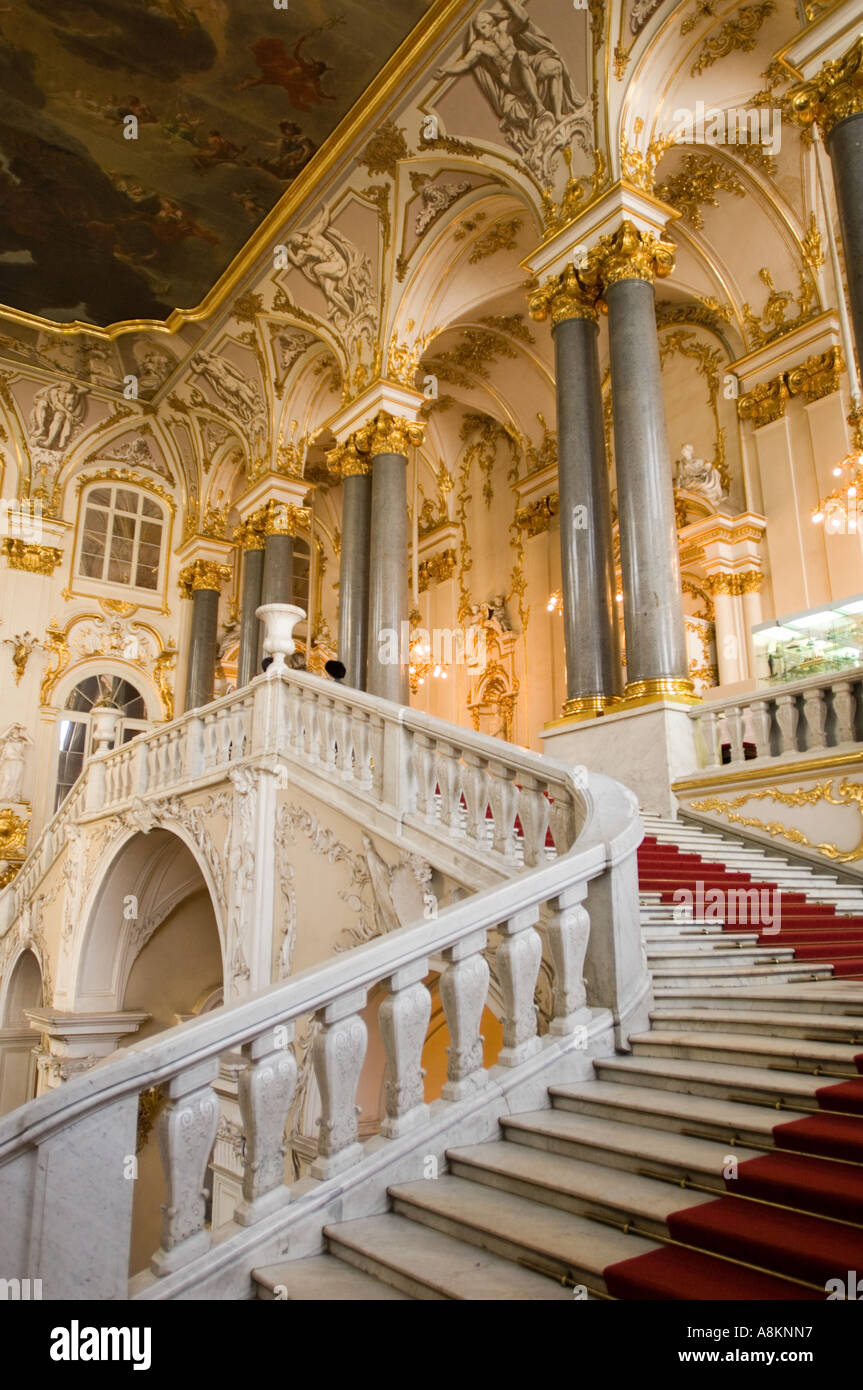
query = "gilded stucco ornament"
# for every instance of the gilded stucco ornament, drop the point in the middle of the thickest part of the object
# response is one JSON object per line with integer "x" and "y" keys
{"x": 765, "y": 403}
{"x": 203, "y": 574}
{"x": 33, "y": 559}
{"x": 834, "y": 94}
{"x": 388, "y": 434}
{"x": 345, "y": 462}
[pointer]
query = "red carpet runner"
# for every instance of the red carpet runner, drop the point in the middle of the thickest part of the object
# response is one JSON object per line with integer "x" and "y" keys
{"x": 811, "y": 1185}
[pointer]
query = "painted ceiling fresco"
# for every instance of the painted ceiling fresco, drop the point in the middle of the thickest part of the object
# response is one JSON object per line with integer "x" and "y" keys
{"x": 231, "y": 99}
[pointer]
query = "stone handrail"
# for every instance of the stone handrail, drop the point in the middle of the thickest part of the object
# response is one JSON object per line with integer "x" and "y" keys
{"x": 71, "y": 1225}
{"x": 785, "y": 720}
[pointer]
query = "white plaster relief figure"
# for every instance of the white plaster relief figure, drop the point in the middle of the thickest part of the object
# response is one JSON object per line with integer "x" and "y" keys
{"x": 57, "y": 416}
{"x": 436, "y": 198}
{"x": 342, "y": 273}
{"x": 240, "y": 395}
{"x": 13, "y": 752}
{"x": 696, "y": 475}
{"x": 523, "y": 77}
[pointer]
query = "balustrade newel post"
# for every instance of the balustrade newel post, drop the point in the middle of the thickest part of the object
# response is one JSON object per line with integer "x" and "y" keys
{"x": 187, "y": 1132}
{"x": 265, "y": 1091}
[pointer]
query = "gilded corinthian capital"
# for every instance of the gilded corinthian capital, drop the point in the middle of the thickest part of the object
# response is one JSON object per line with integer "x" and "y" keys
{"x": 387, "y": 434}
{"x": 629, "y": 254}
{"x": 203, "y": 574}
{"x": 564, "y": 296}
{"x": 832, "y": 94}
{"x": 345, "y": 462}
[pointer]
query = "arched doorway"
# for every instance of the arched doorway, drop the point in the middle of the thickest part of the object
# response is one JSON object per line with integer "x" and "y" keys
{"x": 17, "y": 1038}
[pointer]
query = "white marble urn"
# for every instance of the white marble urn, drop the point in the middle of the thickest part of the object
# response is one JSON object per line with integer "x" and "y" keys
{"x": 104, "y": 719}
{"x": 279, "y": 621}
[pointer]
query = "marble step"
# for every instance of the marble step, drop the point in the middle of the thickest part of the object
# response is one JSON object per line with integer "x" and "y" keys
{"x": 699, "y": 939}
{"x": 692, "y": 976}
{"x": 718, "y": 1081}
{"x": 706, "y": 1116}
{"x": 618, "y": 1143}
{"x": 574, "y": 1185}
{"x": 715, "y": 952}
{"x": 320, "y": 1278}
{"x": 421, "y": 1262}
{"x": 817, "y": 1059}
{"x": 832, "y": 996}
{"x": 558, "y": 1243}
{"x": 812, "y": 1027}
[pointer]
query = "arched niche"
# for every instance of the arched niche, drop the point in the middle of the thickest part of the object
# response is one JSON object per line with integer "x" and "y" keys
{"x": 24, "y": 990}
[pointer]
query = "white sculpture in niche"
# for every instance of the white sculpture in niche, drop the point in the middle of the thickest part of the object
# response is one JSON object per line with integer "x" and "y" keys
{"x": 57, "y": 416}
{"x": 342, "y": 273}
{"x": 13, "y": 751}
{"x": 696, "y": 475}
{"x": 525, "y": 80}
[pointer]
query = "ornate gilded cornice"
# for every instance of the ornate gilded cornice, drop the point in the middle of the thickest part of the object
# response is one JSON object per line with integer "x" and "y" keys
{"x": 834, "y": 94}
{"x": 203, "y": 574}
{"x": 743, "y": 582}
{"x": 629, "y": 254}
{"x": 388, "y": 434}
{"x": 536, "y": 516}
{"x": 34, "y": 559}
{"x": 818, "y": 376}
{"x": 563, "y": 297}
{"x": 764, "y": 403}
{"x": 437, "y": 568}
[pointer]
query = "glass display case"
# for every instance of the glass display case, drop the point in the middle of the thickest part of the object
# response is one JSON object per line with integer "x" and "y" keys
{"x": 813, "y": 643}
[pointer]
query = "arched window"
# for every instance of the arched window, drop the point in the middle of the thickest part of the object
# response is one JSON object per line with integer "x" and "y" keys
{"x": 121, "y": 537}
{"x": 301, "y": 574}
{"x": 75, "y": 728}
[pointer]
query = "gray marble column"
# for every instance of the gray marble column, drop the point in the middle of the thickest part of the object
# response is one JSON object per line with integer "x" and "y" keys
{"x": 203, "y": 648}
{"x": 250, "y": 600}
{"x": 388, "y": 579}
{"x": 593, "y": 677}
{"x": 656, "y": 659}
{"x": 845, "y": 146}
{"x": 277, "y": 580}
{"x": 354, "y": 576}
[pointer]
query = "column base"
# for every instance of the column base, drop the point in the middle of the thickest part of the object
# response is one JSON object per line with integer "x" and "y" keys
{"x": 677, "y": 688}
{"x": 588, "y": 706}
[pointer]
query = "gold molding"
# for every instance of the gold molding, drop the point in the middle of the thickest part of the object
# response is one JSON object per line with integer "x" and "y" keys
{"x": 344, "y": 462}
{"x": 818, "y": 376}
{"x": 536, "y": 516}
{"x": 796, "y": 769}
{"x": 659, "y": 688}
{"x": 586, "y": 707}
{"x": 429, "y": 30}
{"x": 203, "y": 574}
{"x": 851, "y": 793}
{"x": 741, "y": 582}
{"x": 34, "y": 559}
{"x": 249, "y": 536}
{"x": 437, "y": 569}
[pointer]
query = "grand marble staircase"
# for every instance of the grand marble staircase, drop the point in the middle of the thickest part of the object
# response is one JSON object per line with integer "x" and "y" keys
{"x": 721, "y": 1158}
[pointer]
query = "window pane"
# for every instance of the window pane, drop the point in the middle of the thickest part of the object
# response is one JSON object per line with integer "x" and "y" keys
{"x": 124, "y": 526}
{"x": 119, "y": 571}
{"x": 149, "y": 554}
{"x": 147, "y": 577}
{"x": 151, "y": 533}
{"x": 96, "y": 521}
{"x": 126, "y": 501}
{"x": 101, "y": 496}
{"x": 91, "y": 566}
{"x": 151, "y": 508}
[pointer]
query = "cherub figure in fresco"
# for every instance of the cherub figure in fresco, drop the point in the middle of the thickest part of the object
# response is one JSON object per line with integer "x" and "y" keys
{"x": 517, "y": 67}
{"x": 301, "y": 77}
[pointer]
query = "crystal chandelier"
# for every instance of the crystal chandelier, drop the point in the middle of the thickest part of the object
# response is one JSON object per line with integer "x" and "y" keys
{"x": 839, "y": 512}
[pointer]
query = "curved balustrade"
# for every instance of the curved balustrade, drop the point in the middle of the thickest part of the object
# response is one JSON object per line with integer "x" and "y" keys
{"x": 557, "y": 835}
{"x": 801, "y": 717}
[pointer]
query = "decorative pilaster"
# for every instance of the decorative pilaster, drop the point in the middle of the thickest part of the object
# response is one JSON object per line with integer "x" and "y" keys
{"x": 833, "y": 99}
{"x": 587, "y": 561}
{"x": 385, "y": 442}
{"x": 251, "y": 540}
{"x": 623, "y": 266}
{"x": 356, "y": 474}
{"x": 201, "y": 581}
